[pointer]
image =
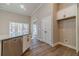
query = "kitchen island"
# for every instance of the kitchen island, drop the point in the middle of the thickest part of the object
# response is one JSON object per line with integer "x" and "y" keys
{"x": 14, "y": 45}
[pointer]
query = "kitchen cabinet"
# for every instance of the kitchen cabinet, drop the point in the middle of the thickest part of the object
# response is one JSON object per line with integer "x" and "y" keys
{"x": 26, "y": 42}
{"x": 66, "y": 12}
{"x": 12, "y": 47}
{"x": 7, "y": 48}
{"x": 18, "y": 46}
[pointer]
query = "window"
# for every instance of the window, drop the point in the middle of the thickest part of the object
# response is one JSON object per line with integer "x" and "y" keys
{"x": 18, "y": 28}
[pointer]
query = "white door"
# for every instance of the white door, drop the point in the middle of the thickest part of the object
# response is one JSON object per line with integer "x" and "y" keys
{"x": 43, "y": 31}
{"x": 46, "y": 29}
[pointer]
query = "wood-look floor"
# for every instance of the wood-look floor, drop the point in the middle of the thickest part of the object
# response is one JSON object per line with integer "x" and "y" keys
{"x": 39, "y": 48}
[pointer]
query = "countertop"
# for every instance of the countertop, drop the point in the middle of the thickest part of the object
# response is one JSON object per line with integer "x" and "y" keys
{"x": 4, "y": 37}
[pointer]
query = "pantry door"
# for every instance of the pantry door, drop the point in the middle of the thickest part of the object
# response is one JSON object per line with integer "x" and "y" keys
{"x": 46, "y": 29}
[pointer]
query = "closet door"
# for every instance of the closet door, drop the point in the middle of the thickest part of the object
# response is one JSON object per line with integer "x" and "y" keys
{"x": 43, "y": 31}
{"x": 46, "y": 29}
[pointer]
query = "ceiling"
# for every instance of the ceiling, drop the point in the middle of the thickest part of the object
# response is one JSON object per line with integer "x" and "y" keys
{"x": 19, "y": 8}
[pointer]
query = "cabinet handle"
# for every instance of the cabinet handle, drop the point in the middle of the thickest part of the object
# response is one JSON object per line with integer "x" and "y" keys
{"x": 64, "y": 15}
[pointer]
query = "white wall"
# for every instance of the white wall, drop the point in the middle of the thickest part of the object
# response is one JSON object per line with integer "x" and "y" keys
{"x": 6, "y": 17}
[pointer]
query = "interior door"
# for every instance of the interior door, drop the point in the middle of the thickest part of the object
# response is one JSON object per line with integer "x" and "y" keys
{"x": 43, "y": 27}
{"x": 46, "y": 29}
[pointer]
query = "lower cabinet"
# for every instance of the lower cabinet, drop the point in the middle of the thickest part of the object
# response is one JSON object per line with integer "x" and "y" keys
{"x": 12, "y": 47}
{"x": 26, "y": 42}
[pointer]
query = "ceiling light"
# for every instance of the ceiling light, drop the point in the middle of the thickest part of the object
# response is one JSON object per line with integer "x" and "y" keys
{"x": 22, "y": 6}
{"x": 7, "y": 3}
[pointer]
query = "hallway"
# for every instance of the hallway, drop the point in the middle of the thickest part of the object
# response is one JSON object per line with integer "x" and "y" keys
{"x": 39, "y": 48}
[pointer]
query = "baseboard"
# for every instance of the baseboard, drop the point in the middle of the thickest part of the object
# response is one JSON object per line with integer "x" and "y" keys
{"x": 64, "y": 45}
{"x": 67, "y": 45}
{"x": 55, "y": 44}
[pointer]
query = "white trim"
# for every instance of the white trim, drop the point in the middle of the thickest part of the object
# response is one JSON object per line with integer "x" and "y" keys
{"x": 55, "y": 44}
{"x": 64, "y": 45}
{"x": 67, "y": 45}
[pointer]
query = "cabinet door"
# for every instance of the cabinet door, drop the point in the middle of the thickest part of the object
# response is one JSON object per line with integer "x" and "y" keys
{"x": 46, "y": 29}
{"x": 18, "y": 46}
{"x": 26, "y": 42}
{"x": 8, "y": 48}
{"x": 12, "y": 47}
{"x": 70, "y": 11}
{"x": 67, "y": 12}
{"x": 61, "y": 14}
{"x": 43, "y": 31}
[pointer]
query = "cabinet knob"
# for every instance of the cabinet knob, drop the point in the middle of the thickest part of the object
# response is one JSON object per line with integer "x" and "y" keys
{"x": 64, "y": 15}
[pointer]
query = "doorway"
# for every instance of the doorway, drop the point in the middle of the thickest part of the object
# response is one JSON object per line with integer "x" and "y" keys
{"x": 34, "y": 34}
{"x": 34, "y": 29}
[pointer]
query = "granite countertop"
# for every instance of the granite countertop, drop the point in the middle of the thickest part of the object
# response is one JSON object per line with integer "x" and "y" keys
{"x": 4, "y": 37}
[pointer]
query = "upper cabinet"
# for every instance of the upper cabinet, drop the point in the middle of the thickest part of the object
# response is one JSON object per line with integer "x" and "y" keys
{"x": 67, "y": 12}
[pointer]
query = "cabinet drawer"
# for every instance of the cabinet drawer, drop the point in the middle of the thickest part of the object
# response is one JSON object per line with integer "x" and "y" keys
{"x": 61, "y": 14}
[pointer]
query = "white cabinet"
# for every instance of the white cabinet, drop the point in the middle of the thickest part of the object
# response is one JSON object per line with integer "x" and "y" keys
{"x": 66, "y": 12}
{"x": 26, "y": 42}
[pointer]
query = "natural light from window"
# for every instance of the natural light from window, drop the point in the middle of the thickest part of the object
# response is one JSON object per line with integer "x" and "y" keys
{"x": 18, "y": 28}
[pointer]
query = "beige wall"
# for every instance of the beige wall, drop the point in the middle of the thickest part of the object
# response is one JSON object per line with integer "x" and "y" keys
{"x": 55, "y": 23}
{"x": 6, "y": 17}
{"x": 67, "y": 28}
{"x": 78, "y": 27}
{"x": 64, "y": 5}
{"x": 68, "y": 32}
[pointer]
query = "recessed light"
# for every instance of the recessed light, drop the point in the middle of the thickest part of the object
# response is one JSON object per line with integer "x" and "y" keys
{"x": 22, "y": 6}
{"x": 7, "y": 3}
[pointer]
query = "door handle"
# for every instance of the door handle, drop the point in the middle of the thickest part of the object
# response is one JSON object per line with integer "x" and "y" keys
{"x": 45, "y": 31}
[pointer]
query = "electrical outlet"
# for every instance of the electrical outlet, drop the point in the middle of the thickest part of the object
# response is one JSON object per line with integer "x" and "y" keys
{"x": 66, "y": 40}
